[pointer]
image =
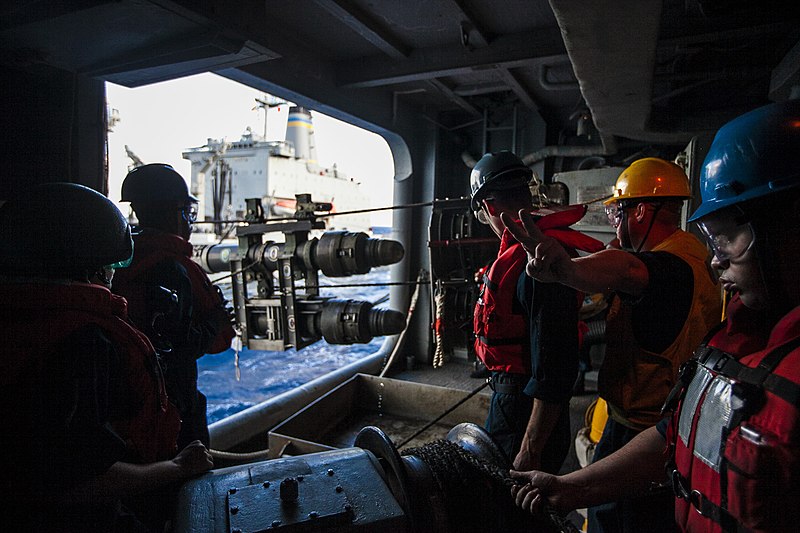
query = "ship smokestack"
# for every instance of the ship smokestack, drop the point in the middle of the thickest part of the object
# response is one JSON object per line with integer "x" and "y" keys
{"x": 300, "y": 132}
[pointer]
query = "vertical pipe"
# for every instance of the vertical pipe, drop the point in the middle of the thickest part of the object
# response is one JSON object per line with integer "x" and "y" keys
{"x": 239, "y": 298}
{"x": 485, "y": 131}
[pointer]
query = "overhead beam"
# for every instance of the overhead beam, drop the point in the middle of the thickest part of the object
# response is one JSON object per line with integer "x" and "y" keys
{"x": 478, "y": 36}
{"x": 747, "y": 32}
{"x": 364, "y": 26}
{"x": 475, "y": 89}
{"x": 453, "y": 97}
{"x": 506, "y": 51}
{"x": 518, "y": 89}
{"x": 785, "y": 75}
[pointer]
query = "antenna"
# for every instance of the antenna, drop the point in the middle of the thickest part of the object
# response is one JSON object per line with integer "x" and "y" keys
{"x": 265, "y": 103}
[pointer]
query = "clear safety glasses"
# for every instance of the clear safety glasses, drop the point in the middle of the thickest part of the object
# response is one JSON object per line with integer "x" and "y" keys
{"x": 615, "y": 212}
{"x": 728, "y": 241}
{"x": 189, "y": 213}
{"x": 480, "y": 214}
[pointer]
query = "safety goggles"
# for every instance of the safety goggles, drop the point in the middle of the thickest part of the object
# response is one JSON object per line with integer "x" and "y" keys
{"x": 728, "y": 241}
{"x": 615, "y": 212}
{"x": 125, "y": 263}
{"x": 189, "y": 213}
{"x": 481, "y": 214}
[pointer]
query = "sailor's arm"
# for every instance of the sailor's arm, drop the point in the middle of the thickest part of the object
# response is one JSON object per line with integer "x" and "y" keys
{"x": 604, "y": 271}
{"x": 126, "y": 479}
{"x": 607, "y": 271}
{"x": 544, "y": 416}
{"x": 552, "y": 311}
{"x": 627, "y": 472}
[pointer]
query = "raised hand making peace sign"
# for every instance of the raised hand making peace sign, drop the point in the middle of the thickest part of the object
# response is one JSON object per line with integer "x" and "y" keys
{"x": 547, "y": 258}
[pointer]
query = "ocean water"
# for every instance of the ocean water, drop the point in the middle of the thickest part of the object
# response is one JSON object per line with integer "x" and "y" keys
{"x": 264, "y": 374}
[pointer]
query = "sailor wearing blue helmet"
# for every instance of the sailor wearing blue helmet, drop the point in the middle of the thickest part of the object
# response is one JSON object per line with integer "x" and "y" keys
{"x": 732, "y": 438}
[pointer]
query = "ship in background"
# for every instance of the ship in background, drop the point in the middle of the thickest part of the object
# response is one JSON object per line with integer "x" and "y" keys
{"x": 555, "y": 81}
{"x": 225, "y": 174}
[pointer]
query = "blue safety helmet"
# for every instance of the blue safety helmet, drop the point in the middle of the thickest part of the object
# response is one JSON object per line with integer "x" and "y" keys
{"x": 752, "y": 156}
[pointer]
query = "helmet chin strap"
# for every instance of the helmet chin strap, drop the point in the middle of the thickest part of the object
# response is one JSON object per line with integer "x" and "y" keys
{"x": 769, "y": 271}
{"x": 647, "y": 233}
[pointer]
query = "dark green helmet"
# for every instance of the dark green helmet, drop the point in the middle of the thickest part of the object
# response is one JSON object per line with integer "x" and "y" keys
{"x": 62, "y": 228}
{"x": 497, "y": 171}
{"x": 156, "y": 183}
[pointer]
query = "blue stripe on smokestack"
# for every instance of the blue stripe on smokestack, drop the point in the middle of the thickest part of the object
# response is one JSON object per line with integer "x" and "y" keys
{"x": 300, "y": 132}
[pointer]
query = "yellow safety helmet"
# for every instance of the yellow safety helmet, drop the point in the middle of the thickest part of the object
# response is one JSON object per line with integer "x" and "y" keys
{"x": 651, "y": 177}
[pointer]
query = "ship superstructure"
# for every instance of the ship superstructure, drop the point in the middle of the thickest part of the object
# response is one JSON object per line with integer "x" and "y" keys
{"x": 557, "y": 82}
{"x": 225, "y": 174}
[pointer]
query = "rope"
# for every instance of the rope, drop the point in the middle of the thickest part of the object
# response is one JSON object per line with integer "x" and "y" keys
{"x": 411, "y": 307}
{"x": 374, "y": 209}
{"x": 384, "y": 298}
{"x": 438, "y": 327}
{"x": 376, "y": 284}
{"x": 447, "y": 412}
{"x": 239, "y": 458}
{"x": 227, "y": 233}
{"x": 323, "y": 214}
{"x": 235, "y": 272}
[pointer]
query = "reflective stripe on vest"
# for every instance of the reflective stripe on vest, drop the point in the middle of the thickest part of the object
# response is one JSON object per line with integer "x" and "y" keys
{"x": 730, "y": 466}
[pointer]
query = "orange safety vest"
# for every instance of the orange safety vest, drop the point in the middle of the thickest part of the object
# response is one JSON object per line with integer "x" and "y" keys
{"x": 41, "y": 315}
{"x": 634, "y": 381}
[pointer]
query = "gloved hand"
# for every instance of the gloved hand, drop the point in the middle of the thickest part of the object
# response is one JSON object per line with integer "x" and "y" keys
{"x": 226, "y": 307}
{"x": 164, "y": 309}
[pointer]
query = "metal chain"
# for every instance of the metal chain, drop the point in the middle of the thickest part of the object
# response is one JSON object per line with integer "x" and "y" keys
{"x": 446, "y": 458}
{"x": 458, "y": 472}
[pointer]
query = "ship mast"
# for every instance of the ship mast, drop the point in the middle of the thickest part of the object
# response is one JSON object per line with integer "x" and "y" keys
{"x": 265, "y": 103}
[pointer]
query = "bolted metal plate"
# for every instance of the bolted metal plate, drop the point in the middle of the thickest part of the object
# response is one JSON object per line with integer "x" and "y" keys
{"x": 321, "y": 499}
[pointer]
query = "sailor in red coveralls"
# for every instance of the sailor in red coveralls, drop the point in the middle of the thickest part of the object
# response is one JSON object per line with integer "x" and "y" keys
{"x": 87, "y": 420}
{"x": 199, "y": 323}
{"x": 732, "y": 449}
{"x": 526, "y": 332}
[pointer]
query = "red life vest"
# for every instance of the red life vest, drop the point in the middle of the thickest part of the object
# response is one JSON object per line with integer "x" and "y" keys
{"x": 736, "y": 437}
{"x": 42, "y": 315}
{"x": 501, "y": 334}
{"x": 153, "y": 247}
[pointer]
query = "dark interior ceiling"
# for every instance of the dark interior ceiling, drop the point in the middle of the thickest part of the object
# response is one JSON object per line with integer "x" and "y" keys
{"x": 648, "y": 70}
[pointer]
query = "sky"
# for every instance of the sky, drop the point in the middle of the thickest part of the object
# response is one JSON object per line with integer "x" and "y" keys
{"x": 159, "y": 121}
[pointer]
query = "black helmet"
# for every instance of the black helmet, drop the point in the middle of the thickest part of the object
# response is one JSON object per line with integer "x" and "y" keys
{"x": 496, "y": 171}
{"x": 62, "y": 228}
{"x": 156, "y": 183}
